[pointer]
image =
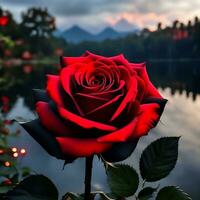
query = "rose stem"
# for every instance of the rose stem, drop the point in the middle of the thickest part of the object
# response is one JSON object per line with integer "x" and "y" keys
{"x": 88, "y": 176}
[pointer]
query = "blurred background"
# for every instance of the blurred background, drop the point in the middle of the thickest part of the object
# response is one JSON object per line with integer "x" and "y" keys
{"x": 164, "y": 34}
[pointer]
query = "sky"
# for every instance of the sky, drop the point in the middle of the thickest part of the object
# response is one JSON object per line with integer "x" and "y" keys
{"x": 94, "y": 15}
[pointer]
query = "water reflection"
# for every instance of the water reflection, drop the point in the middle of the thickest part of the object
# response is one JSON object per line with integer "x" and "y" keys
{"x": 178, "y": 82}
{"x": 179, "y": 76}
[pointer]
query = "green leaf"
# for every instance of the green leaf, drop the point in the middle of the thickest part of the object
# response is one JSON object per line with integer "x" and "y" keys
{"x": 172, "y": 192}
{"x": 72, "y": 196}
{"x": 36, "y": 187}
{"x": 25, "y": 171}
{"x": 6, "y": 171}
{"x": 123, "y": 180}
{"x": 4, "y": 189}
{"x": 146, "y": 193}
{"x": 159, "y": 158}
{"x": 3, "y": 143}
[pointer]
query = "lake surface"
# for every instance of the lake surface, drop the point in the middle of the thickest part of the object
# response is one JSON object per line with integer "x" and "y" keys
{"x": 179, "y": 82}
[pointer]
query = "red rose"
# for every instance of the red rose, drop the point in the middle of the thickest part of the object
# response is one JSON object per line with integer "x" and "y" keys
{"x": 5, "y": 101}
{"x": 96, "y": 105}
{"x": 3, "y": 20}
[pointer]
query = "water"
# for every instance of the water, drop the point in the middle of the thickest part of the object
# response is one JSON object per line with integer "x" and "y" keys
{"x": 178, "y": 82}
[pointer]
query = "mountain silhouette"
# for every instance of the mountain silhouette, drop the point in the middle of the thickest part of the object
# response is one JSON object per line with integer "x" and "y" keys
{"x": 76, "y": 34}
{"x": 124, "y": 26}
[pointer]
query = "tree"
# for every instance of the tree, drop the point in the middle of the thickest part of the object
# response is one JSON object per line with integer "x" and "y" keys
{"x": 37, "y": 22}
{"x": 159, "y": 26}
{"x": 11, "y": 28}
{"x": 175, "y": 24}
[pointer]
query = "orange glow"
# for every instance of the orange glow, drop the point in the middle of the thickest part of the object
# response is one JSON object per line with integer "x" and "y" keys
{"x": 140, "y": 19}
{"x": 7, "y": 164}
{"x": 14, "y": 149}
{"x": 15, "y": 155}
{"x": 23, "y": 151}
{"x": 1, "y": 151}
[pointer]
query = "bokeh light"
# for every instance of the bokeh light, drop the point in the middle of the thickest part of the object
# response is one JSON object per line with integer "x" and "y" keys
{"x": 7, "y": 164}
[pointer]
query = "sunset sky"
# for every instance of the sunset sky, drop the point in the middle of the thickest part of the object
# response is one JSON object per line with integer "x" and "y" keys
{"x": 94, "y": 15}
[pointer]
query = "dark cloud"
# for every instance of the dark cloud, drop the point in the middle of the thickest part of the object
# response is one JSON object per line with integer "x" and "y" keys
{"x": 89, "y": 12}
{"x": 72, "y": 7}
{"x": 80, "y": 7}
{"x": 21, "y": 2}
{"x": 85, "y": 7}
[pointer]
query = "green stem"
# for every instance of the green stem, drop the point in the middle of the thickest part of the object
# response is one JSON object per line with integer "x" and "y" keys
{"x": 88, "y": 177}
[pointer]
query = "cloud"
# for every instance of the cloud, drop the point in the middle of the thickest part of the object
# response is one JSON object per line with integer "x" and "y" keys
{"x": 97, "y": 12}
{"x": 141, "y": 19}
{"x": 72, "y": 9}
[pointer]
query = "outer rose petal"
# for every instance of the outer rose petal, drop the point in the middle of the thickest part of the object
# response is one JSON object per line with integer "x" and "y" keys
{"x": 149, "y": 116}
{"x": 82, "y": 147}
{"x": 152, "y": 92}
{"x": 66, "y": 75}
{"x": 120, "y": 151}
{"x": 40, "y": 95}
{"x": 93, "y": 56}
{"x": 120, "y": 60}
{"x": 50, "y": 121}
{"x": 83, "y": 122}
{"x": 42, "y": 136}
{"x": 54, "y": 89}
{"x": 46, "y": 140}
{"x": 66, "y": 61}
{"x": 121, "y": 135}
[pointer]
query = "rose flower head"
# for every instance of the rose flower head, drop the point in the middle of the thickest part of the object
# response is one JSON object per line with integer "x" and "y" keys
{"x": 95, "y": 105}
{"x": 3, "y": 20}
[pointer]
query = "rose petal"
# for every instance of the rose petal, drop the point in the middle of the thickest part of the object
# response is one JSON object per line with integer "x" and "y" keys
{"x": 43, "y": 137}
{"x": 125, "y": 73}
{"x": 121, "y": 135}
{"x": 54, "y": 89}
{"x": 99, "y": 58}
{"x": 141, "y": 89}
{"x": 66, "y": 81}
{"x": 88, "y": 102}
{"x": 109, "y": 107}
{"x": 110, "y": 93}
{"x": 92, "y": 55}
{"x": 130, "y": 96}
{"x": 151, "y": 91}
{"x": 126, "y": 116}
{"x": 40, "y": 95}
{"x": 51, "y": 122}
{"x": 82, "y": 147}
{"x": 148, "y": 118}
{"x": 46, "y": 140}
{"x": 66, "y": 61}
{"x": 120, "y": 151}
{"x": 83, "y": 122}
{"x": 120, "y": 60}
{"x": 66, "y": 76}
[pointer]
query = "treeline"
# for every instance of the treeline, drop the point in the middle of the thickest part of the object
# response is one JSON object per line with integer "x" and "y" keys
{"x": 32, "y": 37}
{"x": 178, "y": 41}
{"x": 35, "y": 34}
